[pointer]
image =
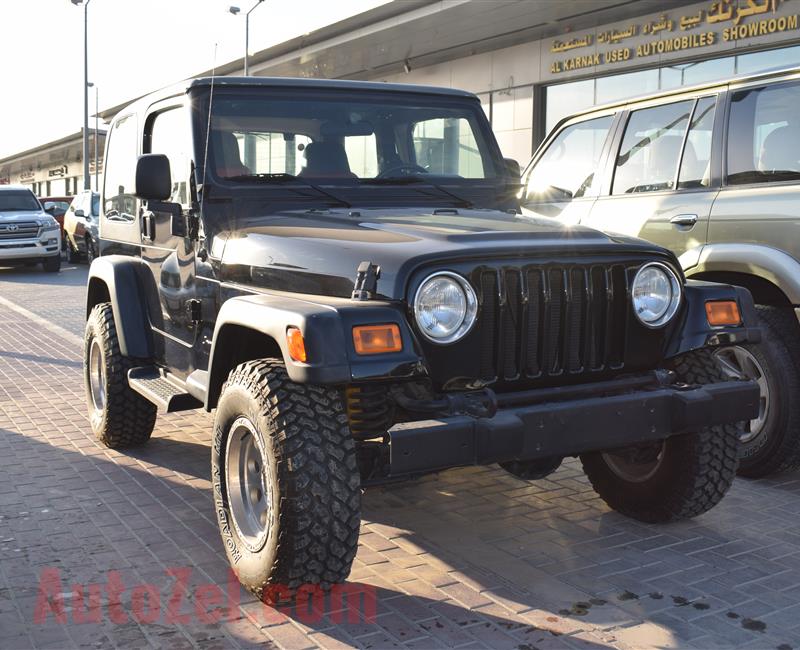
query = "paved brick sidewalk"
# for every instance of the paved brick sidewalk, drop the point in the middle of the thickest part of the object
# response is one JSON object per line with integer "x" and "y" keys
{"x": 469, "y": 558}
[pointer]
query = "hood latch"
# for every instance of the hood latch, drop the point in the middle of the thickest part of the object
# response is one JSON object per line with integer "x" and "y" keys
{"x": 366, "y": 284}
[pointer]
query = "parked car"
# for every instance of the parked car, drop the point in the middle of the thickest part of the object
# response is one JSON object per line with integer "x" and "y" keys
{"x": 345, "y": 277}
{"x": 57, "y": 207}
{"x": 28, "y": 235}
{"x": 80, "y": 226}
{"x": 712, "y": 173}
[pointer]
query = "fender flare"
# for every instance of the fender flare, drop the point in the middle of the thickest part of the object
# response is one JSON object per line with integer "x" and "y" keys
{"x": 122, "y": 278}
{"x": 771, "y": 264}
{"x": 326, "y": 329}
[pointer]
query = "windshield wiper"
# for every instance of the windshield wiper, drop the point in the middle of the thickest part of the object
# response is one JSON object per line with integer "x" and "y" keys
{"x": 412, "y": 180}
{"x": 284, "y": 178}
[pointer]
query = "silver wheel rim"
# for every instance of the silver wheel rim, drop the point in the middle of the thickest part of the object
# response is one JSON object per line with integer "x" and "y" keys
{"x": 738, "y": 363}
{"x": 97, "y": 383}
{"x": 249, "y": 484}
{"x": 634, "y": 472}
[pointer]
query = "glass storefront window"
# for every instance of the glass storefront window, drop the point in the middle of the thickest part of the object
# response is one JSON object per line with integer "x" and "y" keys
{"x": 565, "y": 99}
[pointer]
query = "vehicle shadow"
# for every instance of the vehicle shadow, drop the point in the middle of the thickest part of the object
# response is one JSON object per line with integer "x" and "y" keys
{"x": 87, "y": 496}
{"x": 34, "y": 358}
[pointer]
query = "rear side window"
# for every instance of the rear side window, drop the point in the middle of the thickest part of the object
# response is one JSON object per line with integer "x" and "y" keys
{"x": 567, "y": 168}
{"x": 764, "y": 135}
{"x": 651, "y": 148}
{"x": 119, "y": 201}
{"x": 696, "y": 161}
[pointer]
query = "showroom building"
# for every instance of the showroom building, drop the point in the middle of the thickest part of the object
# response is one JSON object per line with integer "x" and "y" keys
{"x": 531, "y": 62}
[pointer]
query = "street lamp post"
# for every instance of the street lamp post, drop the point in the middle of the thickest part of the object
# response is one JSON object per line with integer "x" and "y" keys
{"x": 87, "y": 183}
{"x": 96, "y": 132}
{"x": 235, "y": 11}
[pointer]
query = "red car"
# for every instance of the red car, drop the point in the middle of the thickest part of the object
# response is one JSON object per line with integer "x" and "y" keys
{"x": 57, "y": 206}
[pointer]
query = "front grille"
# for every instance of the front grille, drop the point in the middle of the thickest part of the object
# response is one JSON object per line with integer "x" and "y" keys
{"x": 19, "y": 230}
{"x": 547, "y": 321}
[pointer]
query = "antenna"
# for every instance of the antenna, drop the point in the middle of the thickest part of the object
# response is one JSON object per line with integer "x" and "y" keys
{"x": 208, "y": 127}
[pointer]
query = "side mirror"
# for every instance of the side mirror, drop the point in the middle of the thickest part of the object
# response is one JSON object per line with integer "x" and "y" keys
{"x": 513, "y": 168}
{"x": 153, "y": 178}
{"x": 80, "y": 213}
{"x": 50, "y": 210}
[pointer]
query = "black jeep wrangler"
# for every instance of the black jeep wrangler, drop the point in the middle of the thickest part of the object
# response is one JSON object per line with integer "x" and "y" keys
{"x": 341, "y": 270}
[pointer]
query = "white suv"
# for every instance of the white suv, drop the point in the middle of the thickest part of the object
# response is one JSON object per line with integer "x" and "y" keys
{"x": 27, "y": 232}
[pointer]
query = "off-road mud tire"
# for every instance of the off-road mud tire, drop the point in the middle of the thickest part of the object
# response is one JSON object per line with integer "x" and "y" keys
{"x": 696, "y": 469}
{"x": 127, "y": 419}
{"x": 309, "y": 465}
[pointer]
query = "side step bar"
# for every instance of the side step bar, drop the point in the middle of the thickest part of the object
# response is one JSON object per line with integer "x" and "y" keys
{"x": 153, "y": 385}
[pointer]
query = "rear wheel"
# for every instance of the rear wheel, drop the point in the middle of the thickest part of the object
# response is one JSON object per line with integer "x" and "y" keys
{"x": 91, "y": 249}
{"x": 119, "y": 416}
{"x": 771, "y": 442}
{"x": 73, "y": 256}
{"x": 678, "y": 478}
{"x": 286, "y": 483}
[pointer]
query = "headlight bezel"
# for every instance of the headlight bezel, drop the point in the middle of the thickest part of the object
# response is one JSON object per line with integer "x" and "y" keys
{"x": 470, "y": 312}
{"x": 676, "y": 299}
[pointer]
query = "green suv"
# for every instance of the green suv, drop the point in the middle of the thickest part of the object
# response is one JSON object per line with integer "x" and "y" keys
{"x": 712, "y": 173}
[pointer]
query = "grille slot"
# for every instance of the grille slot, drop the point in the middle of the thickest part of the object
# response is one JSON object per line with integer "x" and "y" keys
{"x": 19, "y": 230}
{"x": 552, "y": 320}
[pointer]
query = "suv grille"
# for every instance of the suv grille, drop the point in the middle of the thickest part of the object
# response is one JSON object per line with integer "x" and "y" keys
{"x": 19, "y": 230}
{"x": 545, "y": 321}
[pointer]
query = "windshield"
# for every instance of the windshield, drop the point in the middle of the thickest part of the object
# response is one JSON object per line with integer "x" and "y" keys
{"x": 21, "y": 200}
{"x": 344, "y": 139}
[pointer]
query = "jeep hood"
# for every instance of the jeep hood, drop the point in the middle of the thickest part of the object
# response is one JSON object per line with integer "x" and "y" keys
{"x": 317, "y": 252}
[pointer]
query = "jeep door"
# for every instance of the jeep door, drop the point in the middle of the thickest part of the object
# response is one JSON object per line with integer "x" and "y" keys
{"x": 167, "y": 248}
{"x": 563, "y": 179}
{"x": 662, "y": 180}
{"x": 758, "y": 208}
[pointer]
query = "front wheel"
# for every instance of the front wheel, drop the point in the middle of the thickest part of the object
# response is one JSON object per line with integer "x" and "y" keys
{"x": 286, "y": 483}
{"x": 52, "y": 264}
{"x": 771, "y": 442}
{"x": 91, "y": 250}
{"x": 73, "y": 256}
{"x": 678, "y": 478}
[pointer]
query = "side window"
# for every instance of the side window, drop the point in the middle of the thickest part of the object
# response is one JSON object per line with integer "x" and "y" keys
{"x": 764, "y": 135}
{"x": 447, "y": 146}
{"x": 566, "y": 170}
{"x": 119, "y": 202}
{"x": 169, "y": 135}
{"x": 696, "y": 161}
{"x": 651, "y": 147}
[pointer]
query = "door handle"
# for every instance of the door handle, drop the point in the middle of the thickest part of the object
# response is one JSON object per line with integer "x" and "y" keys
{"x": 686, "y": 220}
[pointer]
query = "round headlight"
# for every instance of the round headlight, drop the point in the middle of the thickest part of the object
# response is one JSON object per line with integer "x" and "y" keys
{"x": 445, "y": 307}
{"x": 656, "y": 294}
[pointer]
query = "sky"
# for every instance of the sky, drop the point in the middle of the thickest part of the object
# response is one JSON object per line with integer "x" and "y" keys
{"x": 135, "y": 46}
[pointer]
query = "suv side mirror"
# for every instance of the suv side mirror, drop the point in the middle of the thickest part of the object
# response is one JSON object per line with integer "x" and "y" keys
{"x": 80, "y": 213}
{"x": 50, "y": 210}
{"x": 513, "y": 168}
{"x": 153, "y": 178}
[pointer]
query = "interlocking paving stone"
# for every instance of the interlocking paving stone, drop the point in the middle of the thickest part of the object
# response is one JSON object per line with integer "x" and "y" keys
{"x": 466, "y": 558}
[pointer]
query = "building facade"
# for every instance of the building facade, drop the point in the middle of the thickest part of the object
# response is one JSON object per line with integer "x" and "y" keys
{"x": 531, "y": 62}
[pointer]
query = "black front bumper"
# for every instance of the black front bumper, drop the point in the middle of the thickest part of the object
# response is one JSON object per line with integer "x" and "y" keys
{"x": 599, "y": 419}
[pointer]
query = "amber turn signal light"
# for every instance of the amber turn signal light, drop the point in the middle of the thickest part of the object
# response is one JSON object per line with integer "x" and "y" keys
{"x": 723, "y": 312}
{"x": 377, "y": 339}
{"x": 297, "y": 345}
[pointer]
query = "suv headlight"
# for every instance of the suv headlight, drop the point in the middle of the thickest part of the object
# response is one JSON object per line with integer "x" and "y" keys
{"x": 48, "y": 223}
{"x": 445, "y": 307}
{"x": 656, "y": 294}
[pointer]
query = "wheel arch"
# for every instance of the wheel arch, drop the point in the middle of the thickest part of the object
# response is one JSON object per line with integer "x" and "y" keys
{"x": 254, "y": 327}
{"x": 771, "y": 275}
{"x": 117, "y": 279}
